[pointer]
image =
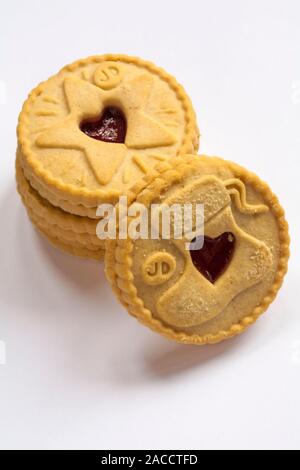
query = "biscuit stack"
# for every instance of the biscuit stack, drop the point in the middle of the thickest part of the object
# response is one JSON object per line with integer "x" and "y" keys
{"x": 87, "y": 134}
{"x": 112, "y": 126}
{"x": 73, "y": 234}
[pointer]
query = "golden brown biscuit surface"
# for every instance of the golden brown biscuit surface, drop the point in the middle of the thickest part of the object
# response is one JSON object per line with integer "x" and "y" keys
{"x": 211, "y": 295}
{"x": 72, "y": 169}
{"x": 74, "y": 234}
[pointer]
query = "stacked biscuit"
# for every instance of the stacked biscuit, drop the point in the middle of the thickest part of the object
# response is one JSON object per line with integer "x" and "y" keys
{"x": 87, "y": 134}
{"x": 73, "y": 234}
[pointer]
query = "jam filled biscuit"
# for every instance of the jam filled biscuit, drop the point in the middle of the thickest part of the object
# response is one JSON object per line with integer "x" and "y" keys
{"x": 98, "y": 126}
{"x": 212, "y": 291}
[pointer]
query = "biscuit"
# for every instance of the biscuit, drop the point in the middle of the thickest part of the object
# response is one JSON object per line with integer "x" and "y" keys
{"x": 87, "y": 134}
{"x": 214, "y": 291}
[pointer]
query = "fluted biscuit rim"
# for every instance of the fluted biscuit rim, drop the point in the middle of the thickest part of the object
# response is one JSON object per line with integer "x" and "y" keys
{"x": 54, "y": 215}
{"x": 73, "y": 250}
{"x": 66, "y": 236}
{"x": 78, "y": 210}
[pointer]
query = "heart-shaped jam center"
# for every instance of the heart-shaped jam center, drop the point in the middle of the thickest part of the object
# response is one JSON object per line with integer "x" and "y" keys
{"x": 111, "y": 127}
{"x": 214, "y": 257}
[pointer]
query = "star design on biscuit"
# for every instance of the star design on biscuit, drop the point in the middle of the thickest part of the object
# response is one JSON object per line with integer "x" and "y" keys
{"x": 85, "y": 101}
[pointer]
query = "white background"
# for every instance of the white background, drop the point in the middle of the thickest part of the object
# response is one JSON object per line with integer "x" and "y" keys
{"x": 81, "y": 373}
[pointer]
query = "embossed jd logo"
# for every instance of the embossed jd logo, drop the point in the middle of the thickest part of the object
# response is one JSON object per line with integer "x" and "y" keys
{"x": 112, "y": 110}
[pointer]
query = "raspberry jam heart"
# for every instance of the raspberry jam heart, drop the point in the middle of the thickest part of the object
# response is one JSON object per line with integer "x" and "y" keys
{"x": 213, "y": 259}
{"x": 111, "y": 127}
